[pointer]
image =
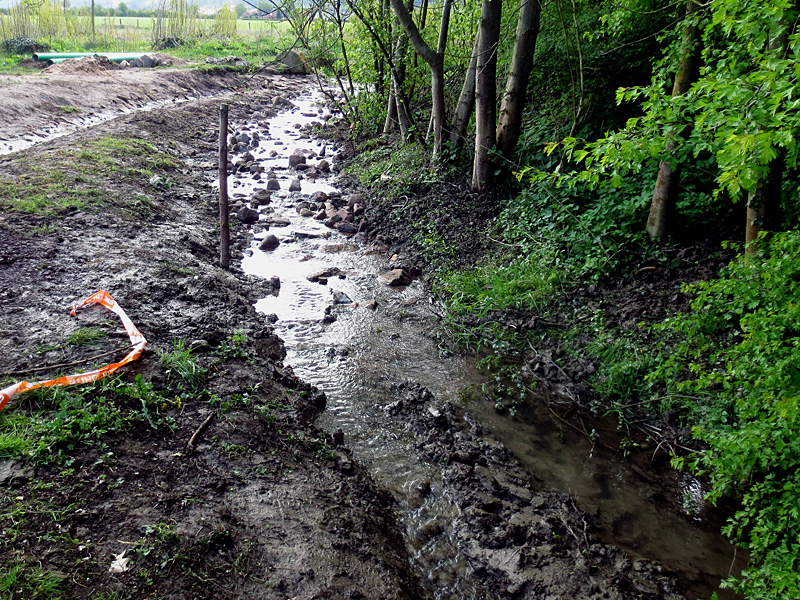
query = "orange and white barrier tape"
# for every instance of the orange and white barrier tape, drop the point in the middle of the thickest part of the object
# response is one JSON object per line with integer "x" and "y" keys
{"x": 137, "y": 340}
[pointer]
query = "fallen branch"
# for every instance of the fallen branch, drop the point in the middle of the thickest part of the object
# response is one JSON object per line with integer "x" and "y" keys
{"x": 192, "y": 443}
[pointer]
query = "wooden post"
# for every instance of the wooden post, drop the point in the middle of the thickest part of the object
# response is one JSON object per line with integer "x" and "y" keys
{"x": 224, "y": 229}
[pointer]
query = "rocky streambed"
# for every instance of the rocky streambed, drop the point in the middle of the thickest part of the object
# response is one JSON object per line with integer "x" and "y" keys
{"x": 423, "y": 503}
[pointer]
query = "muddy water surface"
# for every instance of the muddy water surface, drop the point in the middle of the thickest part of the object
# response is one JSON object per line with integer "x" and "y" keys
{"x": 357, "y": 354}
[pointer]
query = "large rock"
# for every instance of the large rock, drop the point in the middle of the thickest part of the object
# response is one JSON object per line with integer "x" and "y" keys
{"x": 395, "y": 277}
{"x": 272, "y": 184}
{"x": 295, "y": 61}
{"x": 294, "y": 186}
{"x": 246, "y": 215}
{"x": 296, "y": 159}
{"x": 269, "y": 243}
{"x": 261, "y": 197}
{"x": 346, "y": 227}
{"x": 324, "y": 274}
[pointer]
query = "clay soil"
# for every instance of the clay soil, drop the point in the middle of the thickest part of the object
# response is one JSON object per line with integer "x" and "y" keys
{"x": 266, "y": 505}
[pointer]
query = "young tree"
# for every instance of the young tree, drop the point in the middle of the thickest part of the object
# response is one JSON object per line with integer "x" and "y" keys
{"x": 509, "y": 125}
{"x": 435, "y": 60}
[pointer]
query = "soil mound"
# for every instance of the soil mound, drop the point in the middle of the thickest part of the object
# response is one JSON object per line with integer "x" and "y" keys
{"x": 85, "y": 65}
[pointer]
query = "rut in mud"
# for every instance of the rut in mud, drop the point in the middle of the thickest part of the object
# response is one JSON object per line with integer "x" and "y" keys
{"x": 269, "y": 505}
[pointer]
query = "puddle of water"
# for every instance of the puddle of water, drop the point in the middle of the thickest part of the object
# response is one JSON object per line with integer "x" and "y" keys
{"x": 56, "y": 131}
{"x": 356, "y": 359}
{"x": 648, "y": 509}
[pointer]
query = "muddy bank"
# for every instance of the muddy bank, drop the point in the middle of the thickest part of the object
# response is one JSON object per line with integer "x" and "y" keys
{"x": 266, "y": 506}
{"x": 33, "y": 105}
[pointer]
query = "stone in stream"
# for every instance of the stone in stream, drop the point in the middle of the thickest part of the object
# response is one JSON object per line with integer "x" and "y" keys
{"x": 318, "y": 197}
{"x": 325, "y": 274}
{"x": 395, "y": 277}
{"x": 346, "y": 227}
{"x": 273, "y": 184}
{"x": 338, "y": 437}
{"x": 294, "y": 186}
{"x": 270, "y": 242}
{"x": 371, "y": 304}
{"x": 247, "y": 216}
{"x": 296, "y": 159}
{"x": 261, "y": 197}
{"x": 340, "y": 297}
{"x": 331, "y": 222}
{"x": 323, "y": 165}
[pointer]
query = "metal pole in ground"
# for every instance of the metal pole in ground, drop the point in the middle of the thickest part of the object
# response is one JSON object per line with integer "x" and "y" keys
{"x": 224, "y": 228}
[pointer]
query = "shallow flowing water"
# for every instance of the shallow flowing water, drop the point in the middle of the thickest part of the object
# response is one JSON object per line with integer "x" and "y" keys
{"x": 356, "y": 358}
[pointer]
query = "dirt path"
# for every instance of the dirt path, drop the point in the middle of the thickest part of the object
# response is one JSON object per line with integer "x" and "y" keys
{"x": 267, "y": 506}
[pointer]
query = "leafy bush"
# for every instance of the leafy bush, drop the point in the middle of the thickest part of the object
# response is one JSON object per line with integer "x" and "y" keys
{"x": 739, "y": 353}
{"x": 583, "y": 232}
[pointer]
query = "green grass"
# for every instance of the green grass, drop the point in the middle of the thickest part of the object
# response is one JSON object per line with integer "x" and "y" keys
{"x": 48, "y": 424}
{"x": 181, "y": 367}
{"x": 23, "y": 581}
{"x": 520, "y": 284}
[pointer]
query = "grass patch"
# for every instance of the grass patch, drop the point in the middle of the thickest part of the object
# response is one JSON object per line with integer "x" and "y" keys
{"x": 20, "y": 580}
{"x": 49, "y": 424}
{"x": 88, "y": 178}
{"x": 395, "y": 170}
{"x": 181, "y": 367}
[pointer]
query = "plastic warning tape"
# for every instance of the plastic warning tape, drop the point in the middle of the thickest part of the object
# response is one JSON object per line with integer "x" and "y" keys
{"x": 138, "y": 342}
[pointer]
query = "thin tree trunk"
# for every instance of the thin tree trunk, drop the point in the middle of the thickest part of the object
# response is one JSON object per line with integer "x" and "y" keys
{"x": 509, "y": 125}
{"x": 435, "y": 60}
{"x": 390, "y": 124}
{"x": 486, "y": 94}
{"x": 668, "y": 180}
{"x": 466, "y": 101}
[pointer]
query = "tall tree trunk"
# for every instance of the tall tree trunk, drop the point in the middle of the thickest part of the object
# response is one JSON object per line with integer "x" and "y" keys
{"x": 393, "y": 115}
{"x": 486, "y": 94}
{"x": 668, "y": 180}
{"x": 466, "y": 101}
{"x": 510, "y": 124}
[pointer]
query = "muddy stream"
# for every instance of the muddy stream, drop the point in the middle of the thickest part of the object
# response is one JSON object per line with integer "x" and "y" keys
{"x": 356, "y": 338}
{"x": 357, "y": 353}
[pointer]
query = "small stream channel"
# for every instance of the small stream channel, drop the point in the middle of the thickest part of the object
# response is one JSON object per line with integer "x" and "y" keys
{"x": 356, "y": 359}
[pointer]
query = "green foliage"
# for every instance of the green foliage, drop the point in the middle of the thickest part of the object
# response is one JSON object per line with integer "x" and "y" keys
{"x": 235, "y": 347}
{"x": 621, "y": 379}
{"x": 579, "y": 232}
{"x": 737, "y": 352}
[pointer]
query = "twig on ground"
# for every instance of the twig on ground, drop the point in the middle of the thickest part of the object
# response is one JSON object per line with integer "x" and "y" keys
{"x": 192, "y": 443}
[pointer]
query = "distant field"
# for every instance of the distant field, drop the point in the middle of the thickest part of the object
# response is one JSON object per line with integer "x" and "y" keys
{"x": 243, "y": 26}
{"x": 143, "y": 25}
